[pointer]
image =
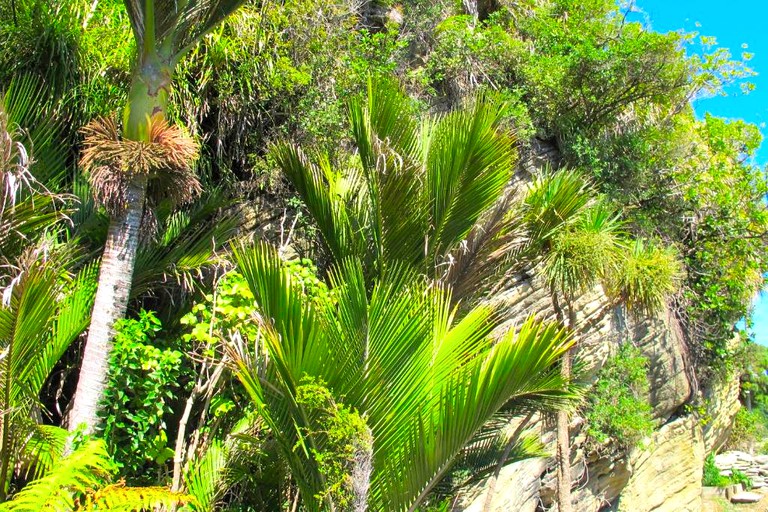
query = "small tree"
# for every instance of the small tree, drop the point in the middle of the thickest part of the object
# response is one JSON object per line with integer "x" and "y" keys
{"x": 582, "y": 244}
{"x": 397, "y": 355}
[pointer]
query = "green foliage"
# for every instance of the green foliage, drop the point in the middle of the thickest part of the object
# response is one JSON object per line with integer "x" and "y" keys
{"x": 221, "y": 314}
{"x": 144, "y": 380}
{"x": 647, "y": 276}
{"x": 748, "y": 429}
{"x": 81, "y": 54}
{"x": 583, "y": 251}
{"x": 425, "y": 380}
{"x": 738, "y": 477}
{"x": 348, "y": 442}
{"x": 42, "y": 313}
{"x": 80, "y": 482}
{"x": 420, "y": 185}
{"x": 712, "y": 476}
{"x": 618, "y": 408}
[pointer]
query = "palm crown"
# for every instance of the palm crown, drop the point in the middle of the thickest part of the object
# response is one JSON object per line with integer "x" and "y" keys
{"x": 424, "y": 380}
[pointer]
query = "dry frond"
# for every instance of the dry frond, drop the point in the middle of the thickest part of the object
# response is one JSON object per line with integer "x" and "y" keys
{"x": 14, "y": 165}
{"x": 112, "y": 163}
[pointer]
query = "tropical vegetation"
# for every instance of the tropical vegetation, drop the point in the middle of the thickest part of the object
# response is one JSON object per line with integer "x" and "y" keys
{"x": 269, "y": 255}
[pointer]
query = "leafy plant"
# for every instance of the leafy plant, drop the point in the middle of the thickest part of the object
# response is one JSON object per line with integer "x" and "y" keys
{"x": 738, "y": 477}
{"x": 144, "y": 380}
{"x": 425, "y": 380}
{"x": 420, "y": 186}
{"x": 618, "y": 408}
{"x": 712, "y": 476}
{"x": 80, "y": 482}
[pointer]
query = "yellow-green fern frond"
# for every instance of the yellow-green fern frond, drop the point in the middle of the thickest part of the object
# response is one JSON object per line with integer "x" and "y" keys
{"x": 87, "y": 468}
{"x": 119, "y": 498}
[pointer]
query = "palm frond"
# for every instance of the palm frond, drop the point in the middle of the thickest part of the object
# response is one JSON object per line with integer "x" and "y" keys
{"x": 40, "y": 128}
{"x": 426, "y": 380}
{"x": 204, "y": 479}
{"x": 175, "y": 25}
{"x": 554, "y": 199}
{"x": 469, "y": 163}
{"x": 43, "y": 449}
{"x": 343, "y": 231}
{"x": 186, "y": 243}
{"x": 483, "y": 455}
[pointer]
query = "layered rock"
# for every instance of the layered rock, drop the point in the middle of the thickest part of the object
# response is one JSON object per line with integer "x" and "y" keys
{"x": 753, "y": 466}
{"x": 665, "y": 474}
{"x": 666, "y": 477}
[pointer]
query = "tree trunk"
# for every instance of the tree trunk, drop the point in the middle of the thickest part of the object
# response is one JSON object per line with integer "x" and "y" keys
{"x": 147, "y": 98}
{"x": 564, "y": 448}
{"x": 564, "y": 501}
{"x": 109, "y": 306}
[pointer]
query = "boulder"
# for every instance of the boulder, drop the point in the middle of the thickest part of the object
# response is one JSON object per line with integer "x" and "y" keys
{"x": 746, "y": 497}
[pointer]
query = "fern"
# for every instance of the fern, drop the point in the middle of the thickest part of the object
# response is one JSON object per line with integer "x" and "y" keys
{"x": 87, "y": 468}
{"x": 119, "y": 498}
{"x": 80, "y": 482}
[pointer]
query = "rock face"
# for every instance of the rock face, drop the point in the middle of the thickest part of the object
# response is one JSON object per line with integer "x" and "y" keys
{"x": 667, "y": 476}
{"x": 663, "y": 476}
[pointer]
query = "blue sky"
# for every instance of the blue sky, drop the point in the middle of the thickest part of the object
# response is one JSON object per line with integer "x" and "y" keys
{"x": 733, "y": 24}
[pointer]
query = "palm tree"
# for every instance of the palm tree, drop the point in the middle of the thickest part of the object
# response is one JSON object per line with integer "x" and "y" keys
{"x": 580, "y": 242}
{"x": 421, "y": 185}
{"x": 424, "y": 381}
{"x": 149, "y": 157}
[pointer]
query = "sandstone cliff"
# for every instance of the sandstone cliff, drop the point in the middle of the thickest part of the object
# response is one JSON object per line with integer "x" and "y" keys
{"x": 665, "y": 474}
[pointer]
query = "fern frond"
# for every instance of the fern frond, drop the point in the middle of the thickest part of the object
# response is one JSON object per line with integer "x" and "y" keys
{"x": 119, "y": 498}
{"x": 85, "y": 469}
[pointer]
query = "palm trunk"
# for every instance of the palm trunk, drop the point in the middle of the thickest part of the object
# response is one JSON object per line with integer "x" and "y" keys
{"x": 147, "y": 98}
{"x": 564, "y": 500}
{"x": 110, "y": 304}
{"x": 564, "y": 448}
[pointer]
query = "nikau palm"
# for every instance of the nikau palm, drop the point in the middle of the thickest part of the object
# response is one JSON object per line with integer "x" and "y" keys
{"x": 424, "y": 380}
{"x": 421, "y": 185}
{"x": 148, "y": 160}
{"x": 581, "y": 244}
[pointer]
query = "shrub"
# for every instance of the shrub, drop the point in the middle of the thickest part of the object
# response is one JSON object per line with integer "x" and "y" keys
{"x": 712, "y": 476}
{"x": 617, "y": 408}
{"x": 748, "y": 428}
{"x": 737, "y": 477}
{"x": 143, "y": 381}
